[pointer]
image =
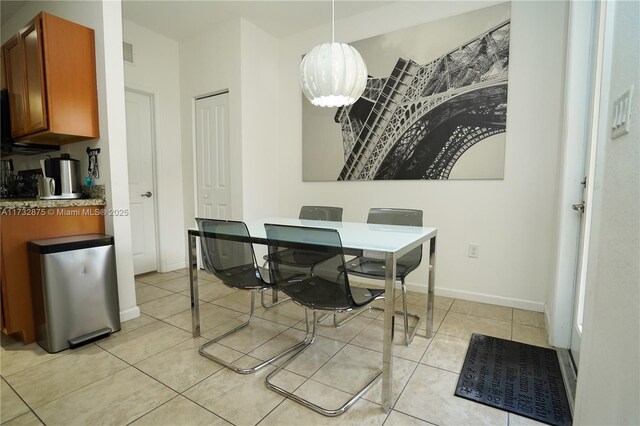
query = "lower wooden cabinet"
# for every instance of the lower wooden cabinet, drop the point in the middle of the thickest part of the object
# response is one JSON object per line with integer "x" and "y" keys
{"x": 15, "y": 232}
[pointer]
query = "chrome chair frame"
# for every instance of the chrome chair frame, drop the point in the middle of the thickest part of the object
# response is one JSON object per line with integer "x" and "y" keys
{"x": 310, "y": 305}
{"x": 305, "y": 402}
{"x": 408, "y": 336}
{"x": 260, "y": 286}
{"x": 259, "y": 366}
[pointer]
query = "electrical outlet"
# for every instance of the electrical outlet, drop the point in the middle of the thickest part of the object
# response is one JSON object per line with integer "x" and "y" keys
{"x": 474, "y": 250}
{"x": 621, "y": 114}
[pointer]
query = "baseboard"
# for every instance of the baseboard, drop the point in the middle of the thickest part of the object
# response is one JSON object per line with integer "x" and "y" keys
{"x": 547, "y": 322}
{"x": 129, "y": 314}
{"x": 173, "y": 266}
{"x": 492, "y": 299}
{"x": 462, "y": 294}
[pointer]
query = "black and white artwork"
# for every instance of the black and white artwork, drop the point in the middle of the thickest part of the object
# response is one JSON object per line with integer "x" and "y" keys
{"x": 435, "y": 106}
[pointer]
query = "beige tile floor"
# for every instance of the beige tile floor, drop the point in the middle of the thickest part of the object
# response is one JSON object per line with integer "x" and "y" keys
{"x": 150, "y": 372}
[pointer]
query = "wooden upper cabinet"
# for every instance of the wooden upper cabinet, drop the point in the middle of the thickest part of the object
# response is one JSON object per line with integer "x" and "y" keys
{"x": 13, "y": 57}
{"x": 51, "y": 77}
{"x": 35, "y": 115}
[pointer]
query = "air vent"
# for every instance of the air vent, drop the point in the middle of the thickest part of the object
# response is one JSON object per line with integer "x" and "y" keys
{"x": 127, "y": 52}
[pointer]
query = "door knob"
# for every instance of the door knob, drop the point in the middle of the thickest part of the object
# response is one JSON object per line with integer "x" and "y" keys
{"x": 578, "y": 207}
{"x": 147, "y": 194}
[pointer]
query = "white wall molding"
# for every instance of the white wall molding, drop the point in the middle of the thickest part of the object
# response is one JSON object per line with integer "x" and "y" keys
{"x": 510, "y": 302}
{"x": 547, "y": 323}
{"x": 129, "y": 314}
{"x": 173, "y": 266}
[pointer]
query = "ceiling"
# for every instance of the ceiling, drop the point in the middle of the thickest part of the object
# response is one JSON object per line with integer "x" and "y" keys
{"x": 8, "y": 9}
{"x": 181, "y": 20}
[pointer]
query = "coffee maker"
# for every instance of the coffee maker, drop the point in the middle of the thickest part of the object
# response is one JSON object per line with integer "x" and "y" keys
{"x": 65, "y": 172}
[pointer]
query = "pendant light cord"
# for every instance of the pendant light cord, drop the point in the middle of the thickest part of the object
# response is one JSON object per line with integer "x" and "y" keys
{"x": 333, "y": 21}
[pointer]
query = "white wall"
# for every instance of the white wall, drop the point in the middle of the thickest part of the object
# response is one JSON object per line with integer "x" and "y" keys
{"x": 106, "y": 19}
{"x": 608, "y": 389}
{"x": 511, "y": 219}
{"x": 210, "y": 62}
{"x": 156, "y": 71}
{"x": 260, "y": 86}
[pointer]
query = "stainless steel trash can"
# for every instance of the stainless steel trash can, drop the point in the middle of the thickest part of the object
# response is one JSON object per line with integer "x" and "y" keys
{"x": 74, "y": 290}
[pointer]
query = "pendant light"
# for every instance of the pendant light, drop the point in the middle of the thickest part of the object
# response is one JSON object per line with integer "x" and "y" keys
{"x": 333, "y": 74}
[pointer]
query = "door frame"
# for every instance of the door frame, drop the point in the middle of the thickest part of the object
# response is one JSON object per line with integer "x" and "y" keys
{"x": 570, "y": 248}
{"x": 574, "y": 154}
{"x": 153, "y": 102}
{"x": 194, "y": 145}
{"x": 595, "y": 112}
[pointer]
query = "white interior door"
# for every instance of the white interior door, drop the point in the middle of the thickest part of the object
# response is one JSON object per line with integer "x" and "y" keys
{"x": 212, "y": 157}
{"x": 139, "y": 110}
{"x": 592, "y": 23}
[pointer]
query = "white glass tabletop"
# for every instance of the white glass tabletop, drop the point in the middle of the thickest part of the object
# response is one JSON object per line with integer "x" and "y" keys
{"x": 361, "y": 236}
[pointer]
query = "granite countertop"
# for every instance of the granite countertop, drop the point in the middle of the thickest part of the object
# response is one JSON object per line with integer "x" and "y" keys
{"x": 35, "y": 203}
{"x": 94, "y": 196}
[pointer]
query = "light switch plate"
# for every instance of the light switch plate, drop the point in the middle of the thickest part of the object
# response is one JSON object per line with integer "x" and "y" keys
{"x": 621, "y": 114}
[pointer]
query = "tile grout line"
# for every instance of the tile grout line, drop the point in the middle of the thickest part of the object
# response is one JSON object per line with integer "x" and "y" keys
{"x": 153, "y": 409}
{"x": 325, "y": 363}
{"x": 348, "y": 343}
{"x": 31, "y": 409}
{"x": 42, "y": 363}
{"x": 205, "y": 408}
{"x": 418, "y": 418}
{"x": 289, "y": 327}
{"x": 163, "y": 384}
{"x": 405, "y": 386}
{"x": 340, "y": 350}
{"x": 284, "y": 398}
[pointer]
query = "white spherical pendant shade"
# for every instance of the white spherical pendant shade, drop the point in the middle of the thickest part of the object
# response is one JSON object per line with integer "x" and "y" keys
{"x": 333, "y": 75}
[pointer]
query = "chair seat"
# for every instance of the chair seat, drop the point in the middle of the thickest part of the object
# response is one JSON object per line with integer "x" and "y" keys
{"x": 368, "y": 267}
{"x": 299, "y": 258}
{"x": 244, "y": 277}
{"x": 319, "y": 293}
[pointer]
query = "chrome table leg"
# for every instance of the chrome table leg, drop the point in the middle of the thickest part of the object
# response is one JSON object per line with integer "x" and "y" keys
{"x": 193, "y": 281}
{"x": 387, "y": 336}
{"x": 431, "y": 288}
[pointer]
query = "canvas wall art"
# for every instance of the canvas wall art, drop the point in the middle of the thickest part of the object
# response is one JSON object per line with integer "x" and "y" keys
{"x": 435, "y": 106}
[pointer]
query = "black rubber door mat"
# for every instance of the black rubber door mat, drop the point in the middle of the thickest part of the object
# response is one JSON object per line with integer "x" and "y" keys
{"x": 515, "y": 377}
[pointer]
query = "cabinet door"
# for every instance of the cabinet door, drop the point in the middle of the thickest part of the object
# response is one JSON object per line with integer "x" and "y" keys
{"x": 15, "y": 77}
{"x": 36, "y": 115}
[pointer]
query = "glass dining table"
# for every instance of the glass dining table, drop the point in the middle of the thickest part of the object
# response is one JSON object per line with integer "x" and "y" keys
{"x": 389, "y": 241}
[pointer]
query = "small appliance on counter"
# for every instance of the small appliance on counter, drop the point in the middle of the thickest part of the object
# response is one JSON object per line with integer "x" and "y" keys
{"x": 64, "y": 172}
{"x": 7, "y": 177}
{"x": 23, "y": 184}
